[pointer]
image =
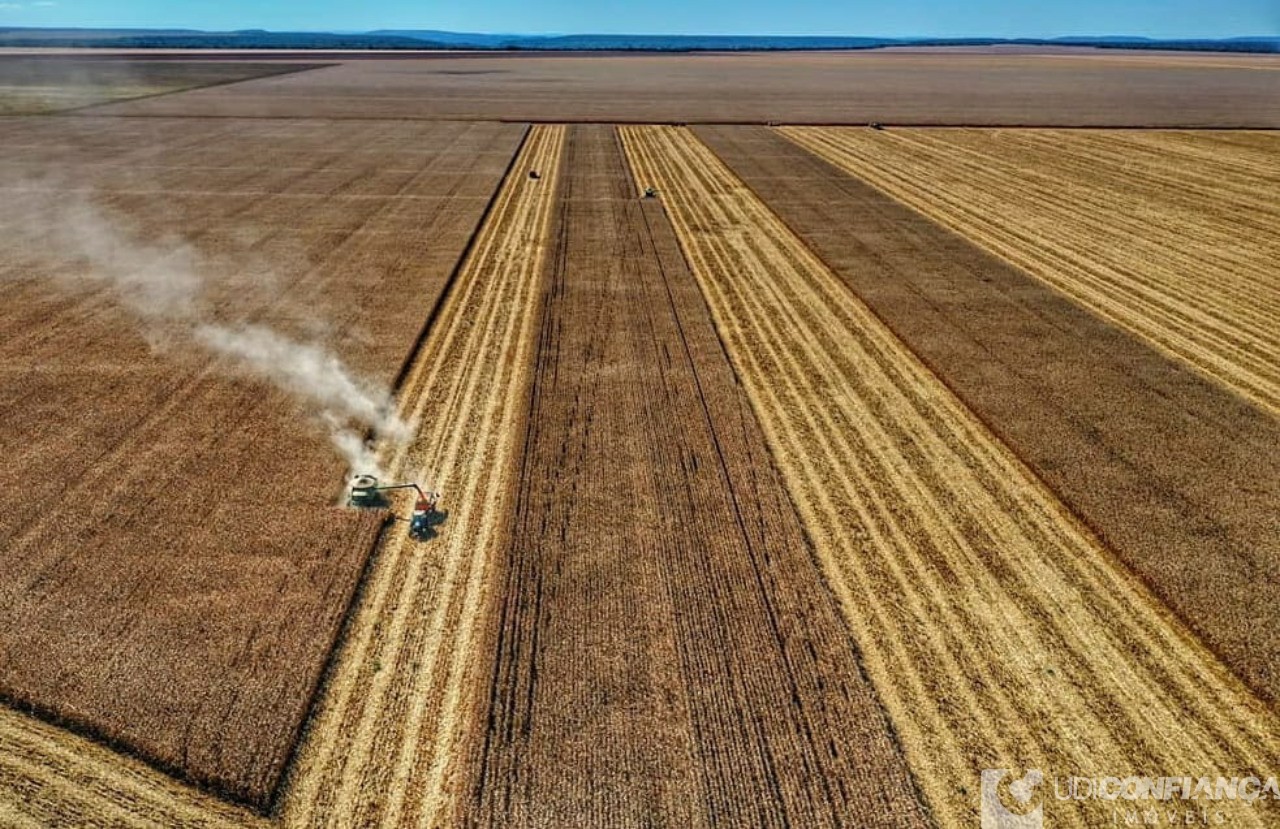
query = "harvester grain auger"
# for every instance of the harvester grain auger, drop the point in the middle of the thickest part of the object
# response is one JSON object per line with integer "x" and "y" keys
{"x": 366, "y": 493}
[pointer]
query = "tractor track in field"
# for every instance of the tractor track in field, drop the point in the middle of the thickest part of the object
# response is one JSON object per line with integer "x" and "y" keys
{"x": 667, "y": 652}
{"x": 997, "y": 630}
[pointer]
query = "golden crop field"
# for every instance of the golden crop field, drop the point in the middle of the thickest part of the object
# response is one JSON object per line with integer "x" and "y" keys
{"x": 996, "y": 629}
{"x": 1172, "y": 235}
{"x": 790, "y": 476}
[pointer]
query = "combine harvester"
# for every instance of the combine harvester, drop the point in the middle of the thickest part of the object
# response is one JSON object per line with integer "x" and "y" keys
{"x": 367, "y": 493}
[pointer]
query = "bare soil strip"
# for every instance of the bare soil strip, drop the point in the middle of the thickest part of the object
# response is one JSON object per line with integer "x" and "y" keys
{"x": 1179, "y": 475}
{"x": 391, "y": 724}
{"x": 998, "y": 631}
{"x": 241, "y": 638}
{"x": 1172, "y": 236}
{"x": 668, "y": 654}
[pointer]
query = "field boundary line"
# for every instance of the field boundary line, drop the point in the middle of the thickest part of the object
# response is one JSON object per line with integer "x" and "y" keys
{"x": 291, "y": 70}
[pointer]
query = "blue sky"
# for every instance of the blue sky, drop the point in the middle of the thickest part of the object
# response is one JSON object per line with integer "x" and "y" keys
{"x": 1156, "y": 18}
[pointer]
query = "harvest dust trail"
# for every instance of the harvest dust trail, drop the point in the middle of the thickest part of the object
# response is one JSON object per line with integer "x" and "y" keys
{"x": 997, "y": 631}
{"x": 378, "y": 749}
{"x": 380, "y": 745}
{"x": 1172, "y": 235}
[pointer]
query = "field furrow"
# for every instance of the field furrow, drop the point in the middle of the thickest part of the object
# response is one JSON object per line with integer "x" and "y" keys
{"x": 393, "y": 717}
{"x": 667, "y": 653}
{"x": 996, "y": 629}
{"x": 1142, "y": 229}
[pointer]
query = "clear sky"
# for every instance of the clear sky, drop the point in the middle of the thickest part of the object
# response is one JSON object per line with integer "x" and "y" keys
{"x": 1033, "y": 18}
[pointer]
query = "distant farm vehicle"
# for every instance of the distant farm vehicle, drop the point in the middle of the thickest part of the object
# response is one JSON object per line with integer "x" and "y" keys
{"x": 650, "y": 193}
{"x": 876, "y": 125}
{"x": 367, "y": 493}
{"x": 533, "y": 174}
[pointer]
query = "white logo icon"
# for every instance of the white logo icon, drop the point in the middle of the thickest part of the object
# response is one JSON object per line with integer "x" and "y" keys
{"x": 995, "y": 815}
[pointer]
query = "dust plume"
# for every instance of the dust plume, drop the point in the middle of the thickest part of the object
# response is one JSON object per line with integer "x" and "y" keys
{"x": 165, "y": 284}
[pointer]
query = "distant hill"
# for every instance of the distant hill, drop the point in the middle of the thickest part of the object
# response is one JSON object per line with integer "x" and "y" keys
{"x": 658, "y": 43}
{"x": 432, "y": 39}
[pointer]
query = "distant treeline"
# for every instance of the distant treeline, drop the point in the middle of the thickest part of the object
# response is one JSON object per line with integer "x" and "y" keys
{"x": 413, "y": 39}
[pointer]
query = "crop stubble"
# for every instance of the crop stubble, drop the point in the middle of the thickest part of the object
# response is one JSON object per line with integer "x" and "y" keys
{"x": 667, "y": 653}
{"x": 998, "y": 632}
{"x": 1171, "y": 235}
{"x": 1179, "y": 475}
{"x": 392, "y": 723}
{"x": 111, "y": 582}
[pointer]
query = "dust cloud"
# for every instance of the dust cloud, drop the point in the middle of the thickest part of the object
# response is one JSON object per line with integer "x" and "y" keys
{"x": 165, "y": 284}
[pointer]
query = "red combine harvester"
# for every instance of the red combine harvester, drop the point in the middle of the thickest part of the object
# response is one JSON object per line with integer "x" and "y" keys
{"x": 366, "y": 492}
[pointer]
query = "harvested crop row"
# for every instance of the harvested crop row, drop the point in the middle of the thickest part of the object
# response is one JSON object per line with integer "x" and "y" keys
{"x": 1144, "y": 229}
{"x": 174, "y": 572}
{"x": 50, "y": 777}
{"x": 394, "y": 717}
{"x": 1177, "y": 473}
{"x": 666, "y": 651}
{"x": 996, "y": 630}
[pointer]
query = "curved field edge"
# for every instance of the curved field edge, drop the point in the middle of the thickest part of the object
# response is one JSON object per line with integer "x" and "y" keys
{"x": 1171, "y": 235}
{"x": 50, "y": 777}
{"x": 998, "y": 631}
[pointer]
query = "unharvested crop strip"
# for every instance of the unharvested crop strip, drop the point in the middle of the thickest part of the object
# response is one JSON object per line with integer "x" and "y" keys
{"x": 1175, "y": 242}
{"x": 998, "y": 631}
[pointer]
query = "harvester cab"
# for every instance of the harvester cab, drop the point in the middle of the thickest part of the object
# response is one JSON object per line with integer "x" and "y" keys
{"x": 367, "y": 493}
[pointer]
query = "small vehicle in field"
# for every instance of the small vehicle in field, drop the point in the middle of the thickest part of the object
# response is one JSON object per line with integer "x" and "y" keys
{"x": 367, "y": 493}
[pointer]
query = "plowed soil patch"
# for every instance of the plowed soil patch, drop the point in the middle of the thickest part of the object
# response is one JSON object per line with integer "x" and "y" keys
{"x": 1088, "y": 87}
